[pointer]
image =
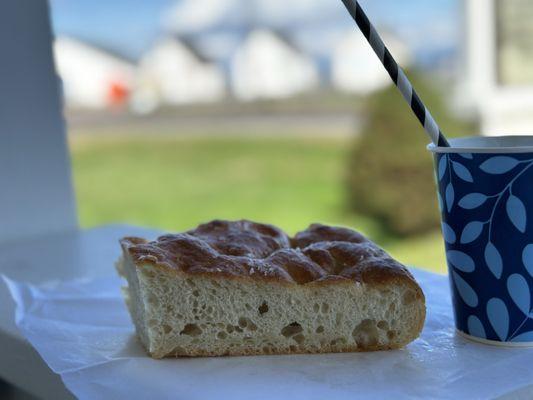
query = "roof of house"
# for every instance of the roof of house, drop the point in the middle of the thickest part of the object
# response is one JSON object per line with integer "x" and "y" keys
{"x": 191, "y": 45}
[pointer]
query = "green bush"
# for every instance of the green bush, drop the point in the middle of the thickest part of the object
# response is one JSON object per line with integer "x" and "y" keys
{"x": 390, "y": 175}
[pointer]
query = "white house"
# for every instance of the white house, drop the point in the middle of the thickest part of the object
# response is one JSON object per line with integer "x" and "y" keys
{"x": 498, "y": 58}
{"x": 266, "y": 65}
{"x": 174, "y": 72}
{"x": 356, "y": 69}
{"x": 92, "y": 77}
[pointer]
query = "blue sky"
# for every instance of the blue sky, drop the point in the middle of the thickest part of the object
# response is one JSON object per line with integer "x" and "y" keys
{"x": 131, "y": 25}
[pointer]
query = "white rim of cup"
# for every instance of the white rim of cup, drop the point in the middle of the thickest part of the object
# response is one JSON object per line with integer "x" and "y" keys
{"x": 493, "y": 342}
{"x": 487, "y": 144}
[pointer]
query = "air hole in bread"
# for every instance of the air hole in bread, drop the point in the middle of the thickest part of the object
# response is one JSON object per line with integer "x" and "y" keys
{"x": 246, "y": 323}
{"x": 409, "y": 297}
{"x": 293, "y": 348}
{"x": 325, "y": 308}
{"x": 222, "y": 335}
{"x": 319, "y": 329}
{"x": 366, "y": 333}
{"x": 292, "y": 329}
{"x": 229, "y": 328}
{"x": 179, "y": 351}
{"x": 337, "y": 341}
{"x": 152, "y": 299}
{"x": 391, "y": 335}
{"x": 316, "y": 308}
{"x": 167, "y": 329}
{"x": 191, "y": 330}
{"x": 196, "y": 293}
{"x": 248, "y": 307}
{"x": 383, "y": 325}
{"x": 299, "y": 338}
{"x": 263, "y": 308}
{"x": 170, "y": 309}
{"x": 148, "y": 273}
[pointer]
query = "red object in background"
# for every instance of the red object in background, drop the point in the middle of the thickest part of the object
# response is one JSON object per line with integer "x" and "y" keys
{"x": 117, "y": 94}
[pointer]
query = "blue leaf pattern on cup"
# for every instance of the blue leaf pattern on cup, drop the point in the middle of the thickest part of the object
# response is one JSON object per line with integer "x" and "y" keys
{"x": 441, "y": 205}
{"x": 466, "y": 292}
{"x": 516, "y": 212}
{"x": 462, "y": 172}
{"x": 450, "y": 196}
{"x": 471, "y": 232}
{"x": 462, "y": 261}
{"x": 448, "y": 233}
{"x": 472, "y": 200}
{"x": 519, "y": 292}
{"x": 475, "y": 327}
{"x": 527, "y": 258}
{"x": 491, "y": 191}
{"x": 498, "y": 317}
{"x": 524, "y": 337}
{"x": 443, "y": 164}
{"x": 494, "y": 260}
{"x": 498, "y": 165}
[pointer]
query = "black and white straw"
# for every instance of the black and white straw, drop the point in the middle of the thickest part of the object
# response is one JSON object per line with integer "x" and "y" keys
{"x": 396, "y": 73}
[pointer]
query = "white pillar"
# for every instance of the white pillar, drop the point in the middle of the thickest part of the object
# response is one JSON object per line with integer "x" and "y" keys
{"x": 35, "y": 186}
{"x": 480, "y": 50}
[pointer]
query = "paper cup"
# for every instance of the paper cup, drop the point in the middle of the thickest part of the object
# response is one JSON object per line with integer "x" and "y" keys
{"x": 485, "y": 191}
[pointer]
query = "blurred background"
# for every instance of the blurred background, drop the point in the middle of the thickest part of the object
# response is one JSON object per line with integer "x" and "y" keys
{"x": 181, "y": 111}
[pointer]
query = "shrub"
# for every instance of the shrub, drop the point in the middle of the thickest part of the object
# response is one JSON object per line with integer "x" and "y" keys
{"x": 390, "y": 175}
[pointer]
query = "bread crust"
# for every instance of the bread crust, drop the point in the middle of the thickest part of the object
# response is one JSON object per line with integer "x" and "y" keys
{"x": 322, "y": 261}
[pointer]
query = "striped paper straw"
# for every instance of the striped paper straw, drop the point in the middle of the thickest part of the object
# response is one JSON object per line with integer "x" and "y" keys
{"x": 396, "y": 73}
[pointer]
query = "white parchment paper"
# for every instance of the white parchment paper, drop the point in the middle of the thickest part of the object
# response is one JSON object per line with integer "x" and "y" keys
{"x": 83, "y": 332}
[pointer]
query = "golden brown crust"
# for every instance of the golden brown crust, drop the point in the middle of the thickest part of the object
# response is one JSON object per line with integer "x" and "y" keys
{"x": 244, "y": 249}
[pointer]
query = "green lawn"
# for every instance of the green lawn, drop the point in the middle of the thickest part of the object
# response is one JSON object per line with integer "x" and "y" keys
{"x": 174, "y": 183}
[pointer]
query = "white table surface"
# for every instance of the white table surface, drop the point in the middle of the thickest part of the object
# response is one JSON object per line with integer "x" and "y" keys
{"x": 85, "y": 254}
{"x": 88, "y": 253}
